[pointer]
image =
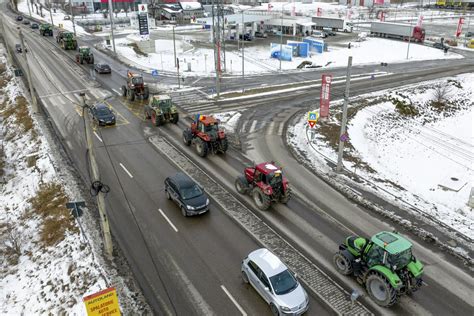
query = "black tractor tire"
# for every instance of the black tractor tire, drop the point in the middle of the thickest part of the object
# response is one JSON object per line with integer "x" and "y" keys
{"x": 201, "y": 147}
{"x": 174, "y": 118}
{"x": 342, "y": 263}
{"x": 262, "y": 200}
{"x": 146, "y": 93}
{"x": 380, "y": 290}
{"x": 241, "y": 185}
{"x": 131, "y": 95}
{"x": 91, "y": 59}
{"x": 223, "y": 145}
{"x": 159, "y": 120}
{"x": 187, "y": 137}
{"x": 286, "y": 196}
{"x": 81, "y": 60}
{"x": 124, "y": 91}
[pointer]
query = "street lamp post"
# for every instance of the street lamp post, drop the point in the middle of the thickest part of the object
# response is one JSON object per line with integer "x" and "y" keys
{"x": 72, "y": 18}
{"x": 281, "y": 35}
{"x": 243, "y": 60}
{"x": 409, "y": 37}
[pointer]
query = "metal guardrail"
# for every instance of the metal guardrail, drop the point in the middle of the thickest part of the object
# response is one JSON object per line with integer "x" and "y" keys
{"x": 331, "y": 293}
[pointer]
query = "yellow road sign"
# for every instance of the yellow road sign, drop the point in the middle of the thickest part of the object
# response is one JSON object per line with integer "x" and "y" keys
{"x": 102, "y": 303}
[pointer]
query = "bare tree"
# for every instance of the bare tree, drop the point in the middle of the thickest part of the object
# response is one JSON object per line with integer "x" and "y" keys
{"x": 441, "y": 93}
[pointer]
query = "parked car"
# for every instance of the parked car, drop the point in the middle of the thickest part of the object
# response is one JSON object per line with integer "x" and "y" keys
{"x": 247, "y": 37}
{"x": 261, "y": 34}
{"x": 441, "y": 46}
{"x": 329, "y": 31}
{"x": 469, "y": 34}
{"x": 34, "y": 26}
{"x": 102, "y": 68}
{"x": 187, "y": 194}
{"x": 319, "y": 34}
{"x": 26, "y": 22}
{"x": 102, "y": 114}
{"x": 66, "y": 17}
{"x": 19, "y": 18}
{"x": 275, "y": 283}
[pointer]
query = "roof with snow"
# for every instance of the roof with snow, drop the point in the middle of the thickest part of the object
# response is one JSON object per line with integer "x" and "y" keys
{"x": 191, "y": 5}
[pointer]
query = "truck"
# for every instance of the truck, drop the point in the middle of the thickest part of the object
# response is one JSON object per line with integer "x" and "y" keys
{"x": 335, "y": 24}
{"x": 398, "y": 30}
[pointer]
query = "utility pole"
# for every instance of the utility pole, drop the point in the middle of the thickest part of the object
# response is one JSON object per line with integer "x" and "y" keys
{"x": 243, "y": 59}
{"x": 28, "y": 5}
{"x": 409, "y": 38}
{"x": 111, "y": 15}
{"x": 281, "y": 35}
{"x": 51, "y": 13}
{"x": 34, "y": 103}
{"x": 108, "y": 247}
{"x": 342, "y": 135}
{"x": 174, "y": 49}
{"x": 72, "y": 18}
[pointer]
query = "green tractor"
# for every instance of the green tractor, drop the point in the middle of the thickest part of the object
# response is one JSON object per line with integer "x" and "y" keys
{"x": 46, "y": 29}
{"x": 385, "y": 264}
{"x": 84, "y": 55}
{"x": 66, "y": 40}
{"x": 161, "y": 109}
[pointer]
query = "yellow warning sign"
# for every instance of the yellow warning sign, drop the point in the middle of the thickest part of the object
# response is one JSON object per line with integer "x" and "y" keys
{"x": 103, "y": 303}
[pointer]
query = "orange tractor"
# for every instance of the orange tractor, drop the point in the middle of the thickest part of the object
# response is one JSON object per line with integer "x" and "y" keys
{"x": 135, "y": 87}
{"x": 206, "y": 135}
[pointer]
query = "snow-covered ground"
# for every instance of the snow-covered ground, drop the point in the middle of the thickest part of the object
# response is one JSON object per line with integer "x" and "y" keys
{"x": 425, "y": 159}
{"x": 43, "y": 272}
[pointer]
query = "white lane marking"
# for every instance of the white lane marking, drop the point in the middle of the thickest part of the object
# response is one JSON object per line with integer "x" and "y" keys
{"x": 203, "y": 93}
{"x": 116, "y": 91}
{"x": 100, "y": 139}
{"x": 168, "y": 220}
{"x": 270, "y": 127}
{"x": 252, "y": 127}
{"x": 195, "y": 81}
{"x": 128, "y": 172}
{"x": 242, "y": 129}
{"x": 280, "y": 129}
{"x": 234, "y": 301}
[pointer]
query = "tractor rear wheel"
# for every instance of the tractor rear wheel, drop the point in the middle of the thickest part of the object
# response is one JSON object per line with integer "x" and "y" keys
{"x": 380, "y": 290}
{"x": 91, "y": 59}
{"x": 286, "y": 196}
{"x": 124, "y": 91}
{"x": 223, "y": 145}
{"x": 159, "y": 120}
{"x": 201, "y": 147}
{"x": 131, "y": 95}
{"x": 241, "y": 185}
{"x": 174, "y": 118}
{"x": 261, "y": 199}
{"x": 342, "y": 263}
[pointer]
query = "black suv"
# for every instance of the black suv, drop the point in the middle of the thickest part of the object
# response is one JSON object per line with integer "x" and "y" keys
{"x": 190, "y": 197}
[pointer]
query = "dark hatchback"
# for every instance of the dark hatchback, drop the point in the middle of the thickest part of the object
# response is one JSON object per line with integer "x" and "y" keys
{"x": 34, "y": 25}
{"x": 19, "y": 18}
{"x": 102, "y": 115}
{"x": 187, "y": 194}
{"x": 102, "y": 68}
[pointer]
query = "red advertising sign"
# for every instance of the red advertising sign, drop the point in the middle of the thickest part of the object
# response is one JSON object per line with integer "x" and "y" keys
{"x": 319, "y": 12}
{"x": 325, "y": 96}
{"x": 459, "y": 30}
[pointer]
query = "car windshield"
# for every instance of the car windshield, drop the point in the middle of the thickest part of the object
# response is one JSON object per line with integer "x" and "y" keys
{"x": 400, "y": 259}
{"x": 103, "y": 111}
{"x": 191, "y": 192}
{"x": 283, "y": 283}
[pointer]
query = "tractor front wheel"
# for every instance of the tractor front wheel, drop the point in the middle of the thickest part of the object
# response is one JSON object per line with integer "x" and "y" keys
{"x": 241, "y": 185}
{"x": 159, "y": 120}
{"x": 201, "y": 147}
{"x": 174, "y": 118}
{"x": 131, "y": 95}
{"x": 380, "y": 290}
{"x": 261, "y": 199}
{"x": 286, "y": 196}
{"x": 342, "y": 263}
{"x": 91, "y": 59}
{"x": 146, "y": 93}
{"x": 124, "y": 91}
{"x": 223, "y": 145}
{"x": 187, "y": 137}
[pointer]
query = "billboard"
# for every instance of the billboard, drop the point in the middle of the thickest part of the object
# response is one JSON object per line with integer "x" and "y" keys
{"x": 300, "y": 49}
{"x": 143, "y": 19}
{"x": 315, "y": 45}
{"x": 325, "y": 96}
{"x": 286, "y": 51}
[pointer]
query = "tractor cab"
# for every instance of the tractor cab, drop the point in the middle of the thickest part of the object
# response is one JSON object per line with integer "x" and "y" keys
{"x": 388, "y": 249}
{"x": 84, "y": 50}
{"x": 137, "y": 80}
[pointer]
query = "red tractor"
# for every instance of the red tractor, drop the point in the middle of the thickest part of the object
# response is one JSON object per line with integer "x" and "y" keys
{"x": 135, "y": 87}
{"x": 265, "y": 183}
{"x": 206, "y": 135}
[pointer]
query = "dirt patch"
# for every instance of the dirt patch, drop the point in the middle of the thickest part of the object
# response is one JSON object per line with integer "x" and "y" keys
{"x": 50, "y": 204}
{"x": 137, "y": 50}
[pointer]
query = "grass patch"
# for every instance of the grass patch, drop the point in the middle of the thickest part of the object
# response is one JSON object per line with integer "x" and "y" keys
{"x": 23, "y": 117}
{"x": 137, "y": 50}
{"x": 50, "y": 204}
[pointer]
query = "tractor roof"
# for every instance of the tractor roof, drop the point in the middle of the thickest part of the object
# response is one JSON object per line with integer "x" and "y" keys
{"x": 160, "y": 97}
{"x": 267, "y": 167}
{"x": 83, "y": 47}
{"x": 208, "y": 120}
{"x": 392, "y": 242}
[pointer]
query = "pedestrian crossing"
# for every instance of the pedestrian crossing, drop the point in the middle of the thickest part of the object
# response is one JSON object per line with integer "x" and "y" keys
{"x": 262, "y": 127}
{"x": 194, "y": 102}
{"x": 61, "y": 99}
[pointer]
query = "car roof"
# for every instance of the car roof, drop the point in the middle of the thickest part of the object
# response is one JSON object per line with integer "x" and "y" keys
{"x": 269, "y": 263}
{"x": 182, "y": 180}
{"x": 100, "y": 105}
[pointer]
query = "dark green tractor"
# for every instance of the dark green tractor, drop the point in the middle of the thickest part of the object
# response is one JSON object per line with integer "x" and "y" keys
{"x": 161, "y": 109}
{"x": 66, "y": 40}
{"x": 46, "y": 29}
{"x": 84, "y": 55}
{"x": 385, "y": 264}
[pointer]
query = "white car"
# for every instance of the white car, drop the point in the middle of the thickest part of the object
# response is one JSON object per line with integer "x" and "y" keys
{"x": 275, "y": 283}
{"x": 319, "y": 34}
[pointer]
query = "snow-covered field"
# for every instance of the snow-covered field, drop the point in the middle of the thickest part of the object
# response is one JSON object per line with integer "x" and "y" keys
{"x": 425, "y": 159}
{"x": 47, "y": 264}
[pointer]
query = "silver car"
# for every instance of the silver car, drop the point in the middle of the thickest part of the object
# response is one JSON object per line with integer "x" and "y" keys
{"x": 275, "y": 283}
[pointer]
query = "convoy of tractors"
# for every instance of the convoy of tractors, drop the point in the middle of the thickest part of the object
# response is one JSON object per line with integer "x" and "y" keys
{"x": 384, "y": 264}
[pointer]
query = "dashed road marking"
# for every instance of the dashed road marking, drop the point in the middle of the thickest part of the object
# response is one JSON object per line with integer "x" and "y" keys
{"x": 168, "y": 220}
{"x": 96, "y": 135}
{"x": 234, "y": 301}
{"x": 253, "y": 126}
{"x": 125, "y": 169}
